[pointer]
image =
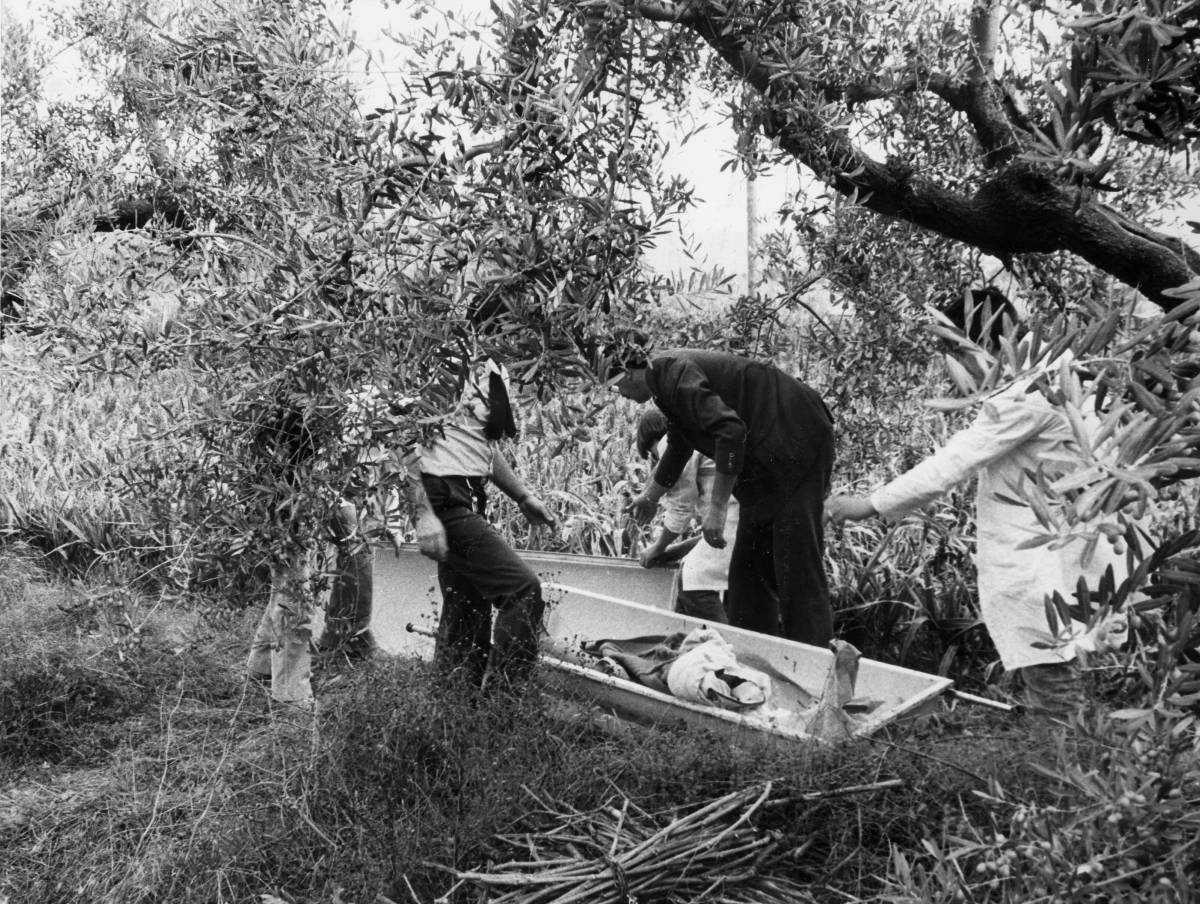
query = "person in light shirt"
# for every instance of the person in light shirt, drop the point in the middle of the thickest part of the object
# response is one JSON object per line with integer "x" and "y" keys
{"x": 1016, "y": 431}
{"x": 704, "y": 570}
{"x": 477, "y": 570}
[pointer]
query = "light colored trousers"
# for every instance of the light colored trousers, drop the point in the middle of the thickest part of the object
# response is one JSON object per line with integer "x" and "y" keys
{"x": 281, "y": 645}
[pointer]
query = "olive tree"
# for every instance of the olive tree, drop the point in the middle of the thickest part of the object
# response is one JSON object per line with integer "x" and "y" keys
{"x": 325, "y": 248}
{"x": 1007, "y": 126}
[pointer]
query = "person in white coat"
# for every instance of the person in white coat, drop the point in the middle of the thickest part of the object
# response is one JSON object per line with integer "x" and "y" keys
{"x": 704, "y": 571}
{"x": 1016, "y": 431}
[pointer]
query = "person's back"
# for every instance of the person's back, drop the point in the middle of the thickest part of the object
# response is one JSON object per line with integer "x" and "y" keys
{"x": 770, "y": 437}
{"x": 759, "y": 393}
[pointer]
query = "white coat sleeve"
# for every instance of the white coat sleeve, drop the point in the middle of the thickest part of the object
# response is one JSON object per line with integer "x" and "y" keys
{"x": 1002, "y": 425}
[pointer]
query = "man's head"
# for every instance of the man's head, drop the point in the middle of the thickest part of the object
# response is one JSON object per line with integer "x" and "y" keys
{"x": 623, "y": 363}
{"x": 983, "y": 315}
{"x": 652, "y": 426}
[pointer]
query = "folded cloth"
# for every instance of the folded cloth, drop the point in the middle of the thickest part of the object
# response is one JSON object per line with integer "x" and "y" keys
{"x": 644, "y": 659}
{"x": 699, "y": 666}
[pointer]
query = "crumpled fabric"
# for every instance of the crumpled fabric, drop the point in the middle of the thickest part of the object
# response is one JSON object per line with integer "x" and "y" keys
{"x": 707, "y": 672}
{"x": 699, "y": 666}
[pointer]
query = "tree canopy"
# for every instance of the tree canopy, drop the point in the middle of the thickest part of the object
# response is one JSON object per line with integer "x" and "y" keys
{"x": 1017, "y": 128}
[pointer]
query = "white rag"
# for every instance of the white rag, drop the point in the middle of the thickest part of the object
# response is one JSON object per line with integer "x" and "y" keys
{"x": 707, "y": 671}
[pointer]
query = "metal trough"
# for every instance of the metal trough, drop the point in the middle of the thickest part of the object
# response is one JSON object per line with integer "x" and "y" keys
{"x": 592, "y": 597}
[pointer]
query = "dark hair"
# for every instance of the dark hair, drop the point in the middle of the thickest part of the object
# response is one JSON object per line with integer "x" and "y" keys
{"x": 652, "y": 426}
{"x": 626, "y": 350}
{"x": 980, "y": 314}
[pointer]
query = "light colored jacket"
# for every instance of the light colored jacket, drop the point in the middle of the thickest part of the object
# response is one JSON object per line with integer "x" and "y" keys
{"x": 1014, "y": 431}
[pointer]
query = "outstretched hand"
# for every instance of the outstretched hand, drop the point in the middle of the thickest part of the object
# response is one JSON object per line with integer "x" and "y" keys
{"x": 535, "y": 511}
{"x": 642, "y": 508}
{"x": 431, "y": 537}
{"x": 712, "y": 526}
{"x": 840, "y": 509}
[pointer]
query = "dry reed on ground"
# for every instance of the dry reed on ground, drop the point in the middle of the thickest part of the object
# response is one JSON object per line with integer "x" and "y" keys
{"x": 619, "y": 852}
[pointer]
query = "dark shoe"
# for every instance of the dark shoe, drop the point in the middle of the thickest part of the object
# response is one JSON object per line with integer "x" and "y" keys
{"x": 1053, "y": 689}
{"x": 339, "y": 641}
{"x": 359, "y": 647}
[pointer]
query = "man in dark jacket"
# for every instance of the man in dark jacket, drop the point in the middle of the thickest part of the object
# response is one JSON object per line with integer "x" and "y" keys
{"x": 771, "y": 438}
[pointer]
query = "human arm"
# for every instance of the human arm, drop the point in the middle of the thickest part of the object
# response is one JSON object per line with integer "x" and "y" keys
{"x": 842, "y": 508}
{"x": 712, "y": 523}
{"x": 1003, "y": 424}
{"x": 645, "y": 504}
{"x": 651, "y": 553}
{"x": 680, "y": 505}
{"x": 431, "y": 534}
{"x": 693, "y": 405}
{"x": 531, "y": 506}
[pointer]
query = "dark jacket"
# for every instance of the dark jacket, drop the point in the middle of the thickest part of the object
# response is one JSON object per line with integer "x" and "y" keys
{"x": 749, "y": 417}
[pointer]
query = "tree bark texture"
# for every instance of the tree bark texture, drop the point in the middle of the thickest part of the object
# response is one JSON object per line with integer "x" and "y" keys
{"x": 1016, "y": 208}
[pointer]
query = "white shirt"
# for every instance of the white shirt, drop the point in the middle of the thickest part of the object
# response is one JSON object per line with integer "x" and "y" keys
{"x": 704, "y": 567}
{"x": 1014, "y": 431}
{"x": 463, "y": 449}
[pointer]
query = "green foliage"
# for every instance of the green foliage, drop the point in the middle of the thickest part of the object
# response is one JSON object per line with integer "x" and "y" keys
{"x": 1119, "y": 823}
{"x": 71, "y": 449}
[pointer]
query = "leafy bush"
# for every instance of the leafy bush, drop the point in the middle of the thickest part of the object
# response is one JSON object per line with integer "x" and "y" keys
{"x": 1121, "y": 821}
{"x": 68, "y": 446}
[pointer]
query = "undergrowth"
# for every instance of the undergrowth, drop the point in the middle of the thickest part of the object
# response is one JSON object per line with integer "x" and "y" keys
{"x": 197, "y": 791}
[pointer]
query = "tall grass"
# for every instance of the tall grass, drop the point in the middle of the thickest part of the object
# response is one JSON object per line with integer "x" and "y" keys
{"x": 175, "y": 781}
{"x": 69, "y": 447}
{"x": 179, "y": 783}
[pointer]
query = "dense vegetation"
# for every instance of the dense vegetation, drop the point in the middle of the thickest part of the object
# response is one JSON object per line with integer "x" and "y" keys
{"x": 205, "y": 259}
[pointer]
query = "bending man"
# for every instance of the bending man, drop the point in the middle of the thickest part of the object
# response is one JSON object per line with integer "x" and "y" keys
{"x": 771, "y": 438}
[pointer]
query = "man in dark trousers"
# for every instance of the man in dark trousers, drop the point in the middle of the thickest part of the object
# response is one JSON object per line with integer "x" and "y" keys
{"x": 771, "y": 438}
{"x": 478, "y": 571}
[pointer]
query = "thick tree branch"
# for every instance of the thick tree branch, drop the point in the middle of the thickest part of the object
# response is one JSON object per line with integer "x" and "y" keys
{"x": 1018, "y": 210}
{"x": 984, "y": 99}
{"x": 919, "y": 79}
{"x": 681, "y": 12}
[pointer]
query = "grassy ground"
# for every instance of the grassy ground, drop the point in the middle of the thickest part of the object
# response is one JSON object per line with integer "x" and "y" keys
{"x": 145, "y": 769}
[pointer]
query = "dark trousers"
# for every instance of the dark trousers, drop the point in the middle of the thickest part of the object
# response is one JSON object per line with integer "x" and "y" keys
{"x": 777, "y": 581}
{"x": 482, "y": 572}
{"x": 705, "y": 604}
{"x": 348, "y": 611}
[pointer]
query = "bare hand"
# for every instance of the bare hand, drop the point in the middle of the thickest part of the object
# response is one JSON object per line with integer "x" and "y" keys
{"x": 535, "y": 511}
{"x": 431, "y": 537}
{"x": 397, "y": 541}
{"x": 649, "y": 556}
{"x": 642, "y": 508}
{"x": 840, "y": 509}
{"x": 712, "y": 526}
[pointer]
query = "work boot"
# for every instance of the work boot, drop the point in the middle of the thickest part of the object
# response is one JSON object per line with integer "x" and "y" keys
{"x": 1053, "y": 689}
